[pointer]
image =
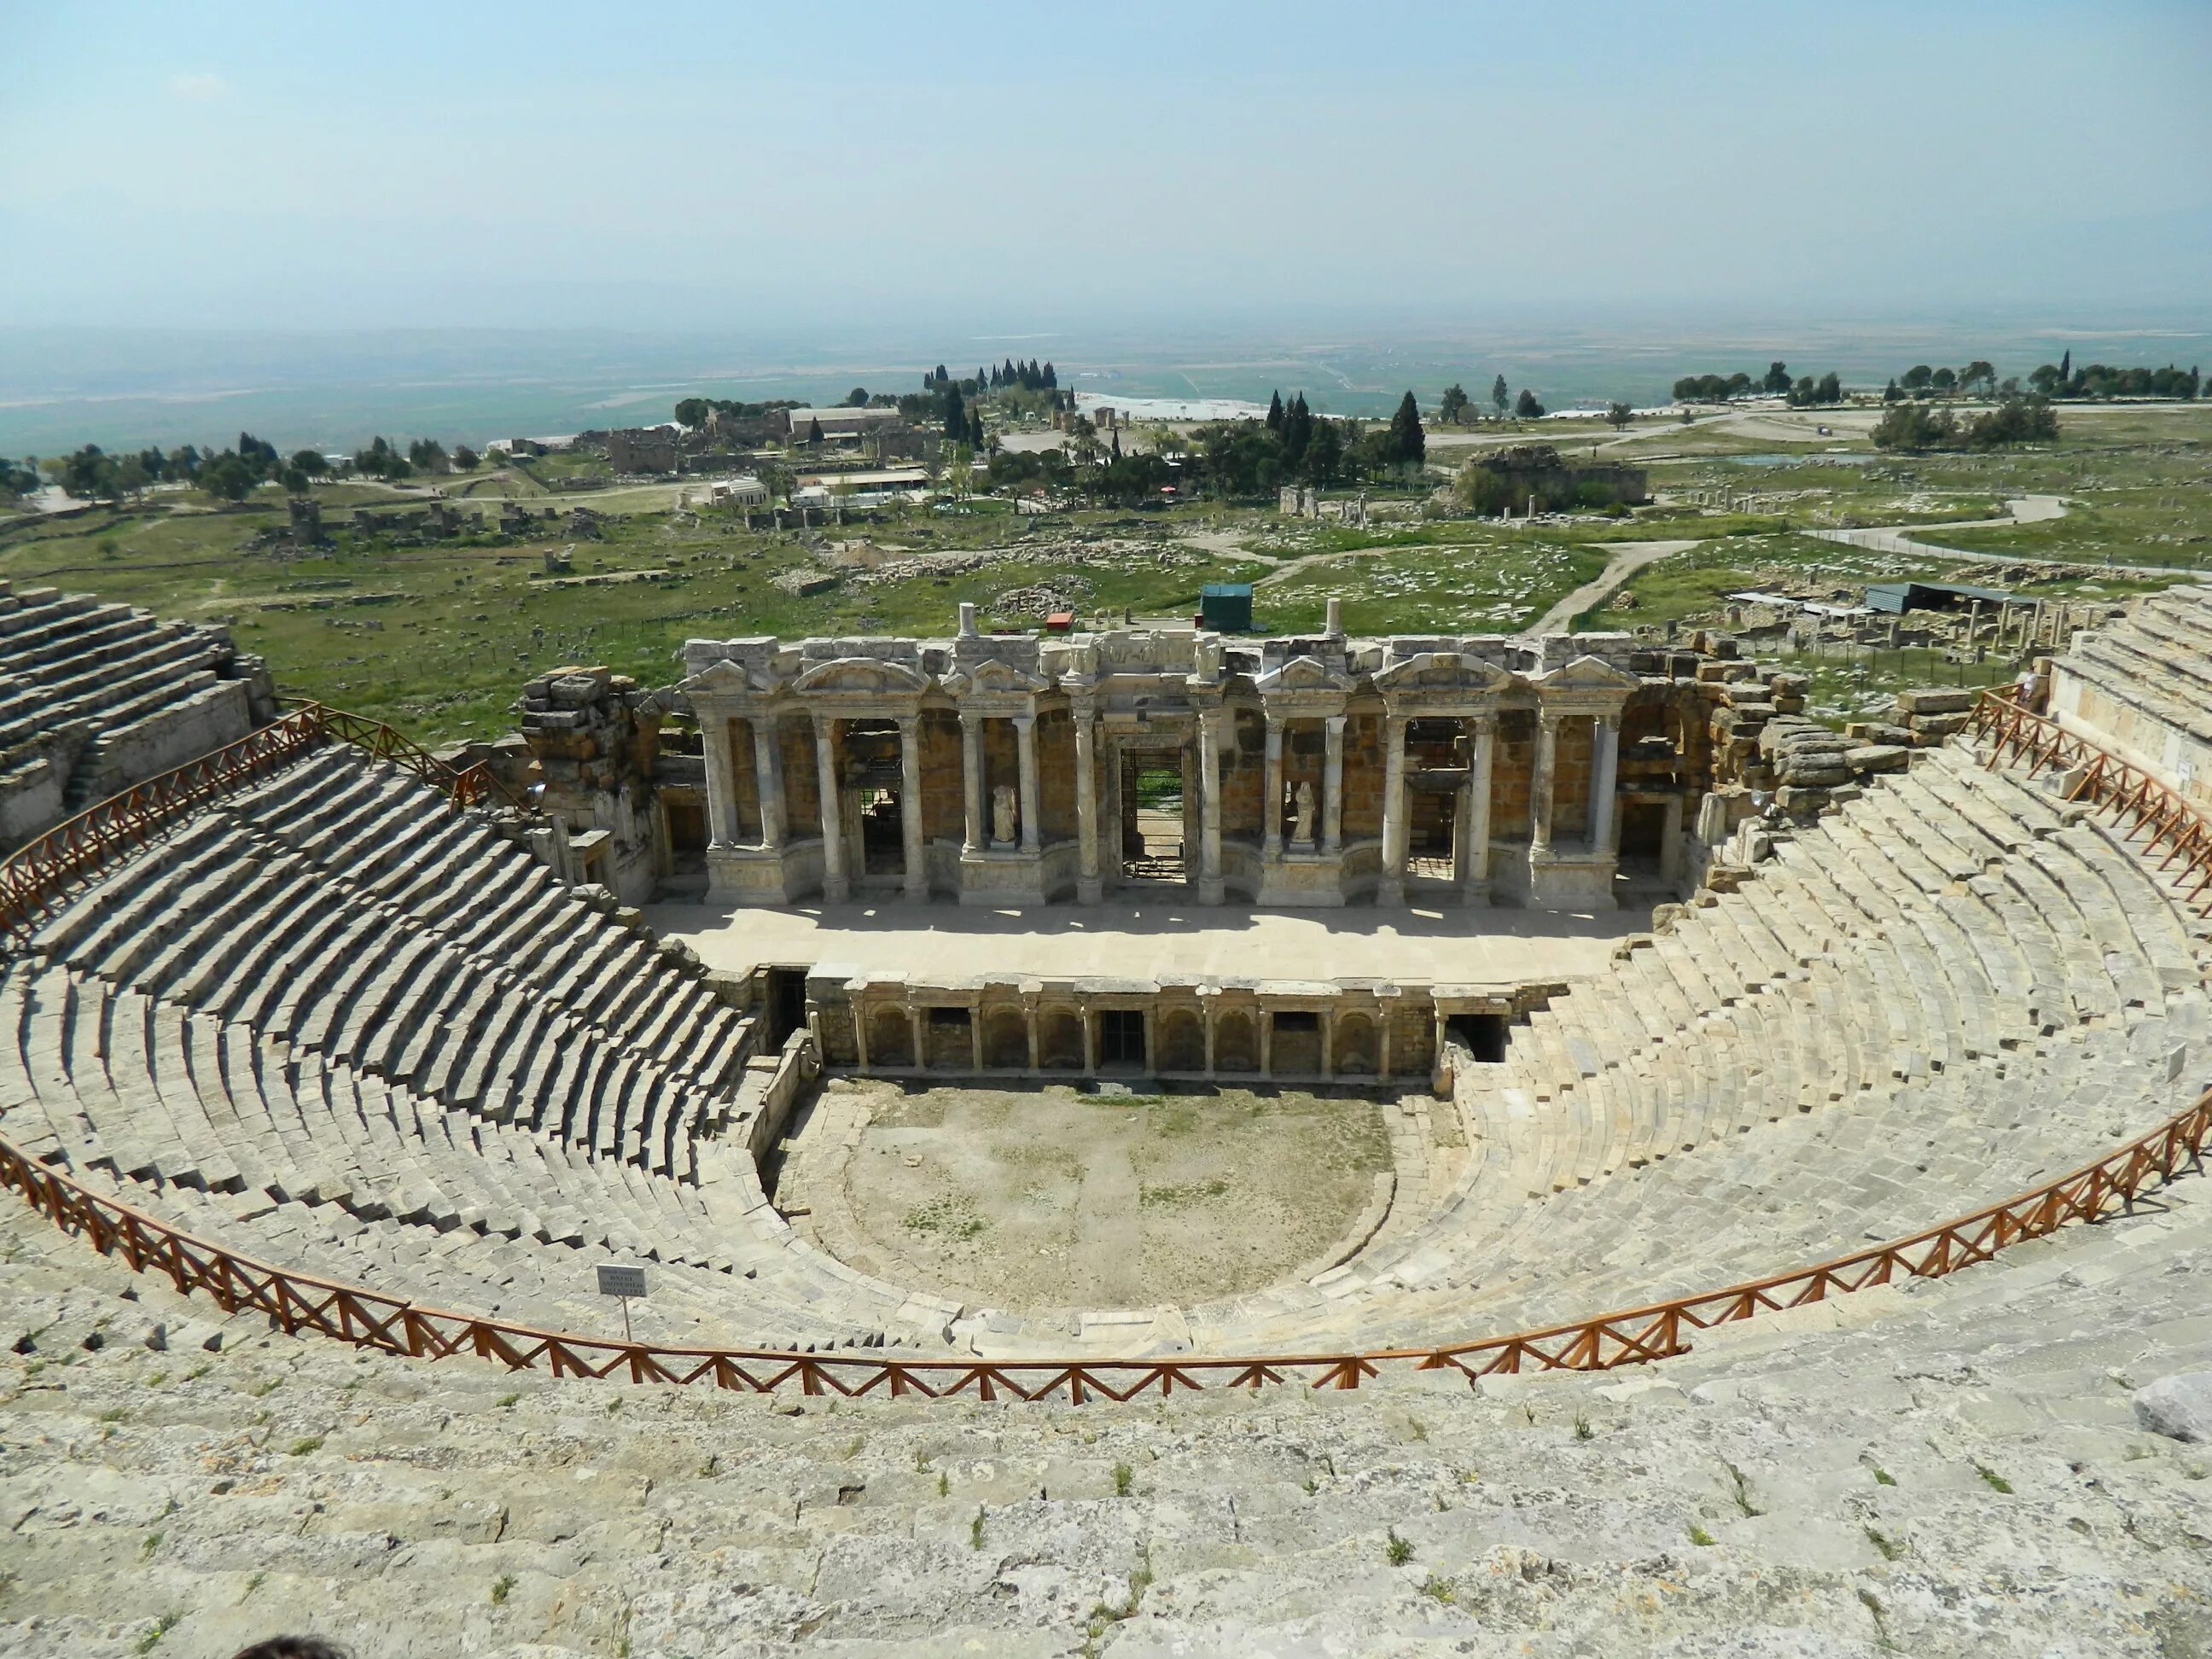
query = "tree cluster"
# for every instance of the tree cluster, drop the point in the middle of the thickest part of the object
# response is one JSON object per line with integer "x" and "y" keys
{"x": 1030, "y": 376}
{"x": 693, "y": 411}
{"x": 1456, "y": 408}
{"x": 1293, "y": 445}
{"x": 1802, "y": 392}
{"x": 2101, "y": 380}
{"x": 1922, "y": 381}
{"x": 1915, "y": 427}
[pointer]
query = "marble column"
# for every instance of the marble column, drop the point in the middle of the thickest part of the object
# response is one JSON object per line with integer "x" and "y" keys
{"x": 1604, "y": 767}
{"x": 1271, "y": 838}
{"x": 1540, "y": 781}
{"x": 721, "y": 780}
{"x": 1025, "y": 738}
{"x": 971, "y": 782}
{"x": 1476, "y": 883}
{"x": 917, "y": 856}
{"x": 1332, "y": 788}
{"x": 836, "y": 885}
{"x": 1089, "y": 888}
{"x": 1209, "y": 795}
{"x": 768, "y": 780}
{"x": 1392, "y": 890}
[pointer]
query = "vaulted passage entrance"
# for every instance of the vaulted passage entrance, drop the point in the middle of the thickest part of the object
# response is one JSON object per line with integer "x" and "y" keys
{"x": 1153, "y": 820}
{"x": 872, "y": 781}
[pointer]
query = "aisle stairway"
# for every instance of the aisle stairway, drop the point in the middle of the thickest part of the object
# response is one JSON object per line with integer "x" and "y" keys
{"x": 333, "y": 1023}
{"x": 93, "y": 679}
{"x": 1951, "y": 990}
{"x": 2156, "y": 658}
{"x": 1951, "y": 1468}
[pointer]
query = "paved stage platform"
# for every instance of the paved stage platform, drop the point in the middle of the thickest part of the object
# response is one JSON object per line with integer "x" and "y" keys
{"x": 941, "y": 942}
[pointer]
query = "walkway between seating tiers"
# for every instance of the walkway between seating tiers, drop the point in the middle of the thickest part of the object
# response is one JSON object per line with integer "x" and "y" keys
{"x": 1151, "y": 939}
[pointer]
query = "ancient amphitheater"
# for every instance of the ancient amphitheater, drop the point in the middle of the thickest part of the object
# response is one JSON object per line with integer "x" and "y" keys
{"x": 1775, "y": 1228}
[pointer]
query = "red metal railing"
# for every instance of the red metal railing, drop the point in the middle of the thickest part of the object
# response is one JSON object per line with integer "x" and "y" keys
{"x": 35, "y": 876}
{"x": 2144, "y": 806}
{"x": 298, "y": 1303}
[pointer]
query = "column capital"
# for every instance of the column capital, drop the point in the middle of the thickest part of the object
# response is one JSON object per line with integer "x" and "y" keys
{"x": 1024, "y": 722}
{"x": 1335, "y": 723}
{"x": 908, "y": 725}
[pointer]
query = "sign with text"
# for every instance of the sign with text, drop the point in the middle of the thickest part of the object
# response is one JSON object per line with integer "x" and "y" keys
{"x": 621, "y": 1281}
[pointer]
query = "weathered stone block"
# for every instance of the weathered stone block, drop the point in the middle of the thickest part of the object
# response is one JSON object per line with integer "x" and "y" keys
{"x": 1879, "y": 757}
{"x": 1934, "y": 702}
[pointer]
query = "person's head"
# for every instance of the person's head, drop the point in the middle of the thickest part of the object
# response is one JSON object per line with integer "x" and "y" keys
{"x": 292, "y": 1647}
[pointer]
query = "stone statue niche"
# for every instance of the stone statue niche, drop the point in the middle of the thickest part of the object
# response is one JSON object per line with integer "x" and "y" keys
{"x": 1302, "y": 820}
{"x": 1002, "y": 818}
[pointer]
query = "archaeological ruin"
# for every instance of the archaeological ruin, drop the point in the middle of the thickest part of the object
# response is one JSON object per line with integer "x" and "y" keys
{"x": 1311, "y": 1135}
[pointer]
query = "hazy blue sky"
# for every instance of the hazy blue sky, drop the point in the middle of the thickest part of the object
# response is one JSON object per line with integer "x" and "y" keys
{"x": 897, "y": 166}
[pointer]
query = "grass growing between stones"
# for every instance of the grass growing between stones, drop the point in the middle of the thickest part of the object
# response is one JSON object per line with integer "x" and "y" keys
{"x": 1057, "y": 1196}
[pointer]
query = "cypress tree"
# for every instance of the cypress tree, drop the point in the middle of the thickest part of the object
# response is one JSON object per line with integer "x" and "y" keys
{"x": 1297, "y": 429}
{"x": 1275, "y": 411}
{"x": 942, "y": 377}
{"x": 1049, "y": 377}
{"x": 2066, "y": 367}
{"x": 976, "y": 437}
{"x": 956, "y": 417}
{"x": 1408, "y": 443}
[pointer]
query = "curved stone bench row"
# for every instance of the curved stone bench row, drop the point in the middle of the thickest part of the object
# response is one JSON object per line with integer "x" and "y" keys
{"x": 519, "y": 1001}
{"x": 279, "y": 1152}
{"x": 1879, "y": 970}
{"x": 64, "y": 658}
{"x": 1798, "y": 1472}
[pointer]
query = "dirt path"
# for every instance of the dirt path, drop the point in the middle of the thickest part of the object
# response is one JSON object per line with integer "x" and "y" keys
{"x": 2022, "y": 509}
{"x": 1628, "y": 559}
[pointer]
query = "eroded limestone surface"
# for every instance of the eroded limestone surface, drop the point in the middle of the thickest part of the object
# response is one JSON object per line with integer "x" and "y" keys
{"x": 1029, "y": 1198}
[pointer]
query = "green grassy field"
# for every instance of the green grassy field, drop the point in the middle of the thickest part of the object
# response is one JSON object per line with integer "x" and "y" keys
{"x": 438, "y": 638}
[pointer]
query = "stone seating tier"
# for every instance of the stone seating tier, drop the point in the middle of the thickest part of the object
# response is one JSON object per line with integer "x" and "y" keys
{"x": 1947, "y": 1469}
{"x": 276, "y": 1028}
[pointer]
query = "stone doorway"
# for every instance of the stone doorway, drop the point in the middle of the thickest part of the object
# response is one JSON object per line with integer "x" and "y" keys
{"x": 1154, "y": 820}
{"x": 1120, "y": 1039}
{"x": 1432, "y": 835}
{"x": 873, "y": 780}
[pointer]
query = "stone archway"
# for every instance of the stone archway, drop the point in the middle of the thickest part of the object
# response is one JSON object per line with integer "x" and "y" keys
{"x": 1180, "y": 1043}
{"x": 1235, "y": 1042}
{"x": 1356, "y": 1048}
{"x": 1059, "y": 1040}
{"x": 891, "y": 1038}
{"x": 1006, "y": 1039}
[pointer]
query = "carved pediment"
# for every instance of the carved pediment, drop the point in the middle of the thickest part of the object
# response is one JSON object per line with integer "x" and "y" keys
{"x": 1443, "y": 671}
{"x": 862, "y": 676}
{"x": 1301, "y": 674}
{"x": 1589, "y": 674}
{"x": 992, "y": 678}
{"x": 722, "y": 678}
